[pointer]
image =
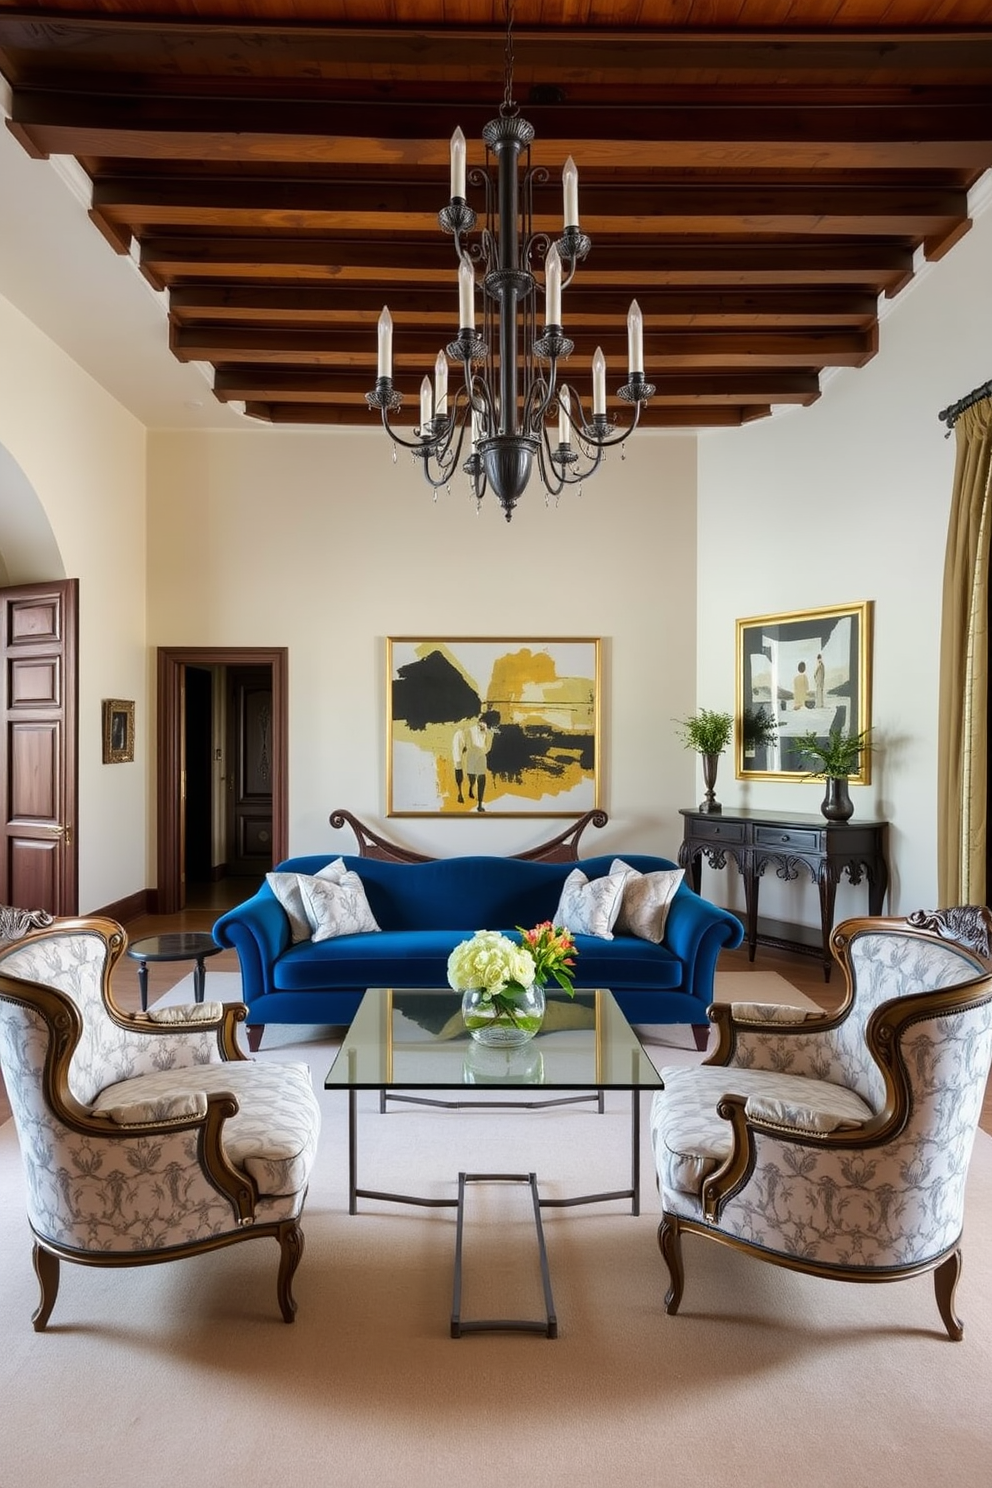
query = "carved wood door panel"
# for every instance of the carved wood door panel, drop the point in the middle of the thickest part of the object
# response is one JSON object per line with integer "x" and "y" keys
{"x": 38, "y": 693}
{"x": 248, "y": 774}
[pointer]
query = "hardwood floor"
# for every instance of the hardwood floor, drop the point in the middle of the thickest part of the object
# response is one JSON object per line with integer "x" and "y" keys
{"x": 205, "y": 904}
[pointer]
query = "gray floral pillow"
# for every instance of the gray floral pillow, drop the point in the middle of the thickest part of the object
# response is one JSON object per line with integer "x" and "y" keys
{"x": 589, "y": 906}
{"x": 287, "y": 888}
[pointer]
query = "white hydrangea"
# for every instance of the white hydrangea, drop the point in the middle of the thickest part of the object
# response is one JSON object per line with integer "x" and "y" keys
{"x": 490, "y": 962}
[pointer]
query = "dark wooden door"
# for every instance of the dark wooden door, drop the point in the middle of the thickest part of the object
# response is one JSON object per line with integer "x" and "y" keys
{"x": 248, "y": 776}
{"x": 38, "y": 694}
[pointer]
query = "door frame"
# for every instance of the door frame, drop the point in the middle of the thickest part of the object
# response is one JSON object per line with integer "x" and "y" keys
{"x": 172, "y": 662}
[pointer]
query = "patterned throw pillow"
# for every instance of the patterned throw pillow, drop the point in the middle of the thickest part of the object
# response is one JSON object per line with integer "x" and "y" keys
{"x": 646, "y": 899}
{"x": 338, "y": 908}
{"x": 589, "y": 906}
{"x": 287, "y": 889}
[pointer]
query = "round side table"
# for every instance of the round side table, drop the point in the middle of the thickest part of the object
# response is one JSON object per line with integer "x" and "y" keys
{"x": 182, "y": 945}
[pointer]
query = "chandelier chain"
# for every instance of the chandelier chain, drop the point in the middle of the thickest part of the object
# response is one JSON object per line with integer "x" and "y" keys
{"x": 508, "y": 108}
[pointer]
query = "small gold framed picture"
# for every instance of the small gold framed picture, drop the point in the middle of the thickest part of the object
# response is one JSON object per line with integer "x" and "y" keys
{"x": 118, "y": 731}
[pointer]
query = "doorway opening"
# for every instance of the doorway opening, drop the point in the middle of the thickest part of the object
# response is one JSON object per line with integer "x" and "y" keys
{"x": 222, "y": 769}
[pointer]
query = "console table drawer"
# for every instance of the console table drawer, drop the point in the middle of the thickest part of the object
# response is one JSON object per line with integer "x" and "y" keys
{"x": 787, "y": 837}
{"x": 717, "y": 831}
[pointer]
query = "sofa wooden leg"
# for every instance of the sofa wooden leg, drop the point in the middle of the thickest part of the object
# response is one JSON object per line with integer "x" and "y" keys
{"x": 47, "y": 1267}
{"x": 255, "y": 1032}
{"x": 945, "y": 1282}
{"x": 290, "y": 1254}
{"x": 670, "y": 1244}
{"x": 701, "y": 1033}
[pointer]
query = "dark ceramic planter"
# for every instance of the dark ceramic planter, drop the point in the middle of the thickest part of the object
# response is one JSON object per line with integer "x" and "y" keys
{"x": 837, "y": 804}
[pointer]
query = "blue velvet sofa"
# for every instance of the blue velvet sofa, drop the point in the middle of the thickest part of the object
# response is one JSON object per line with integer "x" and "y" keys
{"x": 425, "y": 908}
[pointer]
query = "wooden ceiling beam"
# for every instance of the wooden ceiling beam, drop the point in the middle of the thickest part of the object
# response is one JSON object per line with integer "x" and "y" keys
{"x": 913, "y": 134}
{"x": 275, "y": 385}
{"x": 330, "y": 348}
{"x": 430, "y": 304}
{"x": 879, "y": 266}
{"x": 688, "y": 417}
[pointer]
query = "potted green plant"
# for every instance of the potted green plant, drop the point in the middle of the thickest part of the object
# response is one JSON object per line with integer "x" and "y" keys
{"x": 759, "y": 730}
{"x": 708, "y": 733}
{"x": 835, "y": 759}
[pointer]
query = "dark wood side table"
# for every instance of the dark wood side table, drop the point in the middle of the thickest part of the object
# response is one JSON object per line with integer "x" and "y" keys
{"x": 790, "y": 844}
{"x": 181, "y": 945}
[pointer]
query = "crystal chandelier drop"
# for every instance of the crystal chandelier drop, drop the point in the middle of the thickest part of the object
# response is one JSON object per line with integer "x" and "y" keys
{"x": 509, "y": 395}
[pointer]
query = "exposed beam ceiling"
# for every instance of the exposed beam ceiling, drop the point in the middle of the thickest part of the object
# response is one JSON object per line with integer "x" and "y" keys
{"x": 277, "y": 166}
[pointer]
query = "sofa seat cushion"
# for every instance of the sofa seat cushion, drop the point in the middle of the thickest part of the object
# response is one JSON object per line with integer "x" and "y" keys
{"x": 626, "y": 961}
{"x": 272, "y": 1137}
{"x": 690, "y": 1140}
{"x": 393, "y": 958}
{"x": 419, "y": 958}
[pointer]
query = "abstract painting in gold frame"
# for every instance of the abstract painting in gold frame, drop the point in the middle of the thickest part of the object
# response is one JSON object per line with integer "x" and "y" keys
{"x": 492, "y": 727}
{"x": 810, "y": 671}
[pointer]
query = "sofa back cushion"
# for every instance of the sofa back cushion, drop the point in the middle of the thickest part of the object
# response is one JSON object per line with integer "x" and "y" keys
{"x": 467, "y": 893}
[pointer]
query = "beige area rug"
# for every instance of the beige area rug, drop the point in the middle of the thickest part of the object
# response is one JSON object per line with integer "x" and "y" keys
{"x": 186, "y": 1373}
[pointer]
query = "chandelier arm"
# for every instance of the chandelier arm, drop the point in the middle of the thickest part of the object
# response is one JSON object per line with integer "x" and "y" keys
{"x": 609, "y": 440}
{"x": 545, "y": 458}
{"x": 534, "y": 416}
{"x": 417, "y": 445}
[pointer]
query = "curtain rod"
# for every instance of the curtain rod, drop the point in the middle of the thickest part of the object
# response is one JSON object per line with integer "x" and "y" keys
{"x": 951, "y": 414}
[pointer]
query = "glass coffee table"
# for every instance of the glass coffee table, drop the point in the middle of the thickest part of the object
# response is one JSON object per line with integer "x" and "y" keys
{"x": 404, "y": 1040}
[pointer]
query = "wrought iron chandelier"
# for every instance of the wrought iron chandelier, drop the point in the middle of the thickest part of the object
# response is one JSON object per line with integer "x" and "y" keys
{"x": 507, "y": 397}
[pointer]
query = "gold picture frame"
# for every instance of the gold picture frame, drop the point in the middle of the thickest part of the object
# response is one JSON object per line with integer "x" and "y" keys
{"x": 118, "y": 731}
{"x": 809, "y": 671}
{"x": 500, "y": 726}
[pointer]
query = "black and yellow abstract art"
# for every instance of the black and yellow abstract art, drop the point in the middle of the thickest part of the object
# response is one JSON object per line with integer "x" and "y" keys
{"x": 499, "y": 727}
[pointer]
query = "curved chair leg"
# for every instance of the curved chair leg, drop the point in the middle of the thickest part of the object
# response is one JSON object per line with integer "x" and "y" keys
{"x": 670, "y": 1244}
{"x": 46, "y": 1267}
{"x": 945, "y": 1283}
{"x": 290, "y": 1238}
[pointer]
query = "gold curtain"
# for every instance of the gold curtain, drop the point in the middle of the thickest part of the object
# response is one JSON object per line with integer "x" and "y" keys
{"x": 962, "y": 750}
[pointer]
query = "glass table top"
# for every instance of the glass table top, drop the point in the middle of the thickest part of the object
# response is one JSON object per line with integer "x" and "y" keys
{"x": 415, "y": 1039}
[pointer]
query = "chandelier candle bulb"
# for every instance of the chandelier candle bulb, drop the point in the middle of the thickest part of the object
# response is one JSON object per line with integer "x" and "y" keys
{"x": 552, "y": 287}
{"x": 564, "y": 409}
{"x": 635, "y": 338}
{"x": 458, "y": 165}
{"x": 598, "y": 382}
{"x": 570, "y": 183}
{"x": 385, "y": 343}
{"x": 426, "y": 403}
{"x": 440, "y": 386}
{"x": 466, "y": 296}
{"x": 476, "y": 429}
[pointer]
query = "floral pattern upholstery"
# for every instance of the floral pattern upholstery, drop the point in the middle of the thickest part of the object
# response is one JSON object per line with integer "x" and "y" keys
{"x": 143, "y": 1185}
{"x": 813, "y": 1190}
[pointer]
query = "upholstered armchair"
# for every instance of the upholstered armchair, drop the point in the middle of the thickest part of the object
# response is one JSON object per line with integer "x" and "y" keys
{"x": 145, "y": 1136}
{"x": 839, "y": 1144}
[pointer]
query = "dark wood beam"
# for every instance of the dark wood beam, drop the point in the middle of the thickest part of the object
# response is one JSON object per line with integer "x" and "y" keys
{"x": 912, "y": 133}
{"x": 637, "y": 210}
{"x": 275, "y": 385}
{"x": 690, "y": 417}
{"x": 428, "y": 304}
{"x": 329, "y": 348}
{"x": 774, "y": 262}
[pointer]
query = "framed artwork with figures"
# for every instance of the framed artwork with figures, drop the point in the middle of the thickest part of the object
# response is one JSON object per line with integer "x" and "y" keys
{"x": 492, "y": 727}
{"x": 118, "y": 731}
{"x": 808, "y": 671}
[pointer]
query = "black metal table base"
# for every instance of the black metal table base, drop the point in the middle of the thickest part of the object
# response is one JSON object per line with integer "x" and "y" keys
{"x": 549, "y": 1327}
{"x": 460, "y": 1325}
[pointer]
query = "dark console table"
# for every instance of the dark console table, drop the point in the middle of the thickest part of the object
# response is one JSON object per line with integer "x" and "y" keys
{"x": 757, "y": 840}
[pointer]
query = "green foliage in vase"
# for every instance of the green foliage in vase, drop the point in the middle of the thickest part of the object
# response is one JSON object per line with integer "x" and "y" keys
{"x": 836, "y": 757}
{"x": 706, "y": 732}
{"x": 758, "y": 728}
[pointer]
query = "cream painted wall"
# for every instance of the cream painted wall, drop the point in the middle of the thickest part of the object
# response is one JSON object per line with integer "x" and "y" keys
{"x": 845, "y": 501}
{"x": 318, "y": 542}
{"x": 83, "y": 459}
